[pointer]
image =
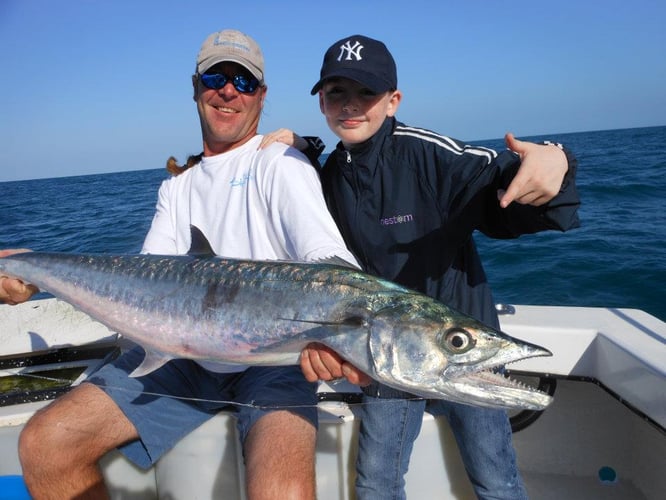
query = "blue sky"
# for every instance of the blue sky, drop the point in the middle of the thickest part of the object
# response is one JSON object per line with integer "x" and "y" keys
{"x": 93, "y": 86}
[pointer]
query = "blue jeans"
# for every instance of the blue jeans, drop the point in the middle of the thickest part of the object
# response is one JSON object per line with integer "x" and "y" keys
{"x": 389, "y": 427}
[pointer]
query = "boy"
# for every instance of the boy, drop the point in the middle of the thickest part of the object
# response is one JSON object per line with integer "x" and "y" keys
{"x": 407, "y": 201}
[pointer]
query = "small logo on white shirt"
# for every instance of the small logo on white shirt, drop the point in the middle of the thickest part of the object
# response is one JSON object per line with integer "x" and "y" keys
{"x": 242, "y": 181}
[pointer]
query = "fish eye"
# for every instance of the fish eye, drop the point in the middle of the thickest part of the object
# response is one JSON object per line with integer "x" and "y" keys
{"x": 458, "y": 341}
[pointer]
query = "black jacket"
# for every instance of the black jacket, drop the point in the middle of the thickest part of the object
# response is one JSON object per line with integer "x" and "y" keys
{"x": 408, "y": 200}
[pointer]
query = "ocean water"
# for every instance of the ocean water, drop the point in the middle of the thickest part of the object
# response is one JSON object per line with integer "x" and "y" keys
{"x": 617, "y": 258}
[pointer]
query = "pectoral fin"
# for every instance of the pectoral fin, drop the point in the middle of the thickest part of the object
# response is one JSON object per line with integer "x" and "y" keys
{"x": 150, "y": 363}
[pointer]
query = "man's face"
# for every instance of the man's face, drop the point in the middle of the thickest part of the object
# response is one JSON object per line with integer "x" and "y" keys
{"x": 228, "y": 117}
{"x": 353, "y": 112}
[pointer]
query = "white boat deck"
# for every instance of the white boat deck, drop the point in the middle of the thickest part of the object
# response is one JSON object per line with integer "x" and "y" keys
{"x": 624, "y": 349}
{"x": 586, "y": 432}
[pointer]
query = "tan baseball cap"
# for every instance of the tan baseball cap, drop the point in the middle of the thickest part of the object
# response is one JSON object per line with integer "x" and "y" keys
{"x": 234, "y": 46}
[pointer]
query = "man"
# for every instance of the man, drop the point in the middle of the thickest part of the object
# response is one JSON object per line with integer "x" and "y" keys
{"x": 250, "y": 203}
{"x": 439, "y": 191}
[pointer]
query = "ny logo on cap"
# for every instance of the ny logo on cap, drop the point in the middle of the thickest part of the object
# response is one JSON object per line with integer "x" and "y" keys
{"x": 350, "y": 50}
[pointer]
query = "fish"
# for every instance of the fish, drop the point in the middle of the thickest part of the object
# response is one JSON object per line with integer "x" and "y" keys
{"x": 251, "y": 312}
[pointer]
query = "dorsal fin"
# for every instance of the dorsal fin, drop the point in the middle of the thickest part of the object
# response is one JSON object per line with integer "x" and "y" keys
{"x": 199, "y": 245}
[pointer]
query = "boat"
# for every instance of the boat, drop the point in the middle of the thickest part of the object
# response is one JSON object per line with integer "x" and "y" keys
{"x": 603, "y": 437}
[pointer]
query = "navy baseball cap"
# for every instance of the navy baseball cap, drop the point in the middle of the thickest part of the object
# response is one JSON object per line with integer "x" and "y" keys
{"x": 361, "y": 59}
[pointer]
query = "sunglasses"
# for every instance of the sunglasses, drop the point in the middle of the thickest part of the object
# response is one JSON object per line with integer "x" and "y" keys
{"x": 243, "y": 84}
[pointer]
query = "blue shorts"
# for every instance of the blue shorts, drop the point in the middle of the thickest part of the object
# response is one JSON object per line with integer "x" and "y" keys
{"x": 172, "y": 401}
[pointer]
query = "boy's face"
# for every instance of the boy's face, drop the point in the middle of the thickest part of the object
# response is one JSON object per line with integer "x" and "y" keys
{"x": 353, "y": 112}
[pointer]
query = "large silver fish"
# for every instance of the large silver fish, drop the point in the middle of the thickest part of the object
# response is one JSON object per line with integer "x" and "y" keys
{"x": 244, "y": 312}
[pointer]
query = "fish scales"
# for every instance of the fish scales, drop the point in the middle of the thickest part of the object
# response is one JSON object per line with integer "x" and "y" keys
{"x": 240, "y": 312}
{"x": 167, "y": 296}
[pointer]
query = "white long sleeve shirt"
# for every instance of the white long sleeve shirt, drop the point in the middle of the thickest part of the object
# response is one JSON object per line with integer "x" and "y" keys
{"x": 251, "y": 204}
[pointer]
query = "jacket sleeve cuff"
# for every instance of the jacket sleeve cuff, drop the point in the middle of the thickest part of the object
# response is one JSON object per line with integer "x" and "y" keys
{"x": 562, "y": 210}
{"x": 314, "y": 149}
{"x": 572, "y": 164}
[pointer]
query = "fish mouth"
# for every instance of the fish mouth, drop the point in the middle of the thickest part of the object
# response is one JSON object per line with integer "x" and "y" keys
{"x": 495, "y": 390}
{"x": 488, "y": 386}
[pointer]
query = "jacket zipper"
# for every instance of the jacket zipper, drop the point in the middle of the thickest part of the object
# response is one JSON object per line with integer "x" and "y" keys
{"x": 358, "y": 192}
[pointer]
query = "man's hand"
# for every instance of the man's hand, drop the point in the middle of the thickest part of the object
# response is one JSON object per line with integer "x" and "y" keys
{"x": 318, "y": 362}
{"x": 13, "y": 291}
{"x": 540, "y": 175}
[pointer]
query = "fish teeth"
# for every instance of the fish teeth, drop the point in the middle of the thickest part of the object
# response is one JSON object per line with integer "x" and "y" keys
{"x": 503, "y": 380}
